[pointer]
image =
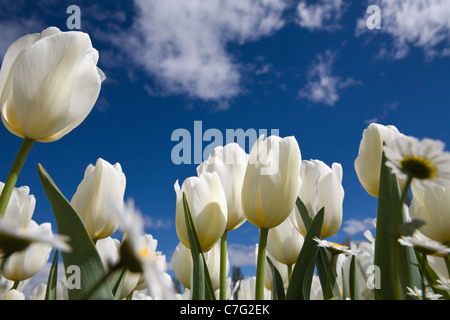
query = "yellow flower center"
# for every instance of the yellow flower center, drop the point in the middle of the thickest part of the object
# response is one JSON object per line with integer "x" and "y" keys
{"x": 418, "y": 167}
{"x": 143, "y": 252}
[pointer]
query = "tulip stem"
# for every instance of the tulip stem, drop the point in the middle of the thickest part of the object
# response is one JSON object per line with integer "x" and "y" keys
{"x": 261, "y": 263}
{"x": 14, "y": 174}
{"x": 223, "y": 266}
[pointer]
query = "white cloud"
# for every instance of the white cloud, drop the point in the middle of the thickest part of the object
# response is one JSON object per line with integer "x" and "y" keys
{"x": 323, "y": 86}
{"x": 423, "y": 24}
{"x": 320, "y": 15}
{"x": 354, "y": 226}
{"x": 156, "y": 224}
{"x": 183, "y": 44}
{"x": 241, "y": 255}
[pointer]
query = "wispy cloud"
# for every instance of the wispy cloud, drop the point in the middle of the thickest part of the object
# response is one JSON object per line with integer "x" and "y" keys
{"x": 323, "y": 86}
{"x": 320, "y": 15}
{"x": 355, "y": 226}
{"x": 241, "y": 255}
{"x": 412, "y": 23}
{"x": 183, "y": 44}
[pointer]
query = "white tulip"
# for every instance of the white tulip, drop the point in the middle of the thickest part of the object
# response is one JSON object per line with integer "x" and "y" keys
{"x": 368, "y": 162}
{"x": 13, "y": 295}
{"x": 182, "y": 265}
{"x": 208, "y": 206}
{"x": 432, "y": 204}
{"x": 102, "y": 189}
{"x": 321, "y": 188}
{"x": 24, "y": 264}
{"x": 49, "y": 83}
{"x": 284, "y": 242}
{"x": 271, "y": 181}
{"x": 230, "y": 163}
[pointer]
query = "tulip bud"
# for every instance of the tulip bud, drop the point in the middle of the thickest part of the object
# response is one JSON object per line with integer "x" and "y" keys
{"x": 284, "y": 242}
{"x": 49, "y": 83}
{"x": 368, "y": 162}
{"x": 230, "y": 163}
{"x": 321, "y": 188}
{"x": 432, "y": 205}
{"x": 182, "y": 265}
{"x": 208, "y": 206}
{"x": 102, "y": 188}
{"x": 271, "y": 181}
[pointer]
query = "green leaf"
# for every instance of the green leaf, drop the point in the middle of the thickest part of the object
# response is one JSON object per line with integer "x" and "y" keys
{"x": 386, "y": 244}
{"x": 277, "y": 282}
{"x": 117, "y": 282}
{"x": 50, "y": 292}
{"x": 322, "y": 264}
{"x": 303, "y": 213}
{"x": 84, "y": 254}
{"x": 431, "y": 276}
{"x": 200, "y": 281}
{"x": 355, "y": 293}
{"x": 301, "y": 273}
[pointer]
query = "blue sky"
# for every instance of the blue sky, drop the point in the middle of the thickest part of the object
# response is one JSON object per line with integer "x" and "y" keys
{"x": 311, "y": 69}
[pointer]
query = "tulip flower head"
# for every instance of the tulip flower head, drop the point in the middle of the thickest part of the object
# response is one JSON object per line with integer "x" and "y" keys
{"x": 271, "y": 181}
{"x": 49, "y": 83}
{"x": 368, "y": 162}
{"x": 230, "y": 163}
{"x": 208, "y": 206}
{"x": 103, "y": 186}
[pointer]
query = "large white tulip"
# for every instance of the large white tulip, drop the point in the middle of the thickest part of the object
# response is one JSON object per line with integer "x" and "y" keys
{"x": 432, "y": 204}
{"x": 230, "y": 163}
{"x": 208, "y": 206}
{"x": 101, "y": 189}
{"x": 49, "y": 83}
{"x": 321, "y": 188}
{"x": 271, "y": 181}
{"x": 368, "y": 162}
{"x": 284, "y": 242}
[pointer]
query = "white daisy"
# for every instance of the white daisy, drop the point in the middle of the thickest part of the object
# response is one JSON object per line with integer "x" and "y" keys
{"x": 425, "y": 246}
{"x": 334, "y": 248}
{"x": 423, "y": 160}
{"x": 417, "y": 293}
{"x": 443, "y": 284}
{"x": 136, "y": 255}
{"x": 15, "y": 238}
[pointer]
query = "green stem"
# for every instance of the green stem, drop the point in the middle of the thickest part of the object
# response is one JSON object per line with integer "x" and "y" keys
{"x": 289, "y": 269}
{"x": 330, "y": 274}
{"x": 14, "y": 174}
{"x": 422, "y": 273}
{"x": 223, "y": 266}
{"x": 261, "y": 263}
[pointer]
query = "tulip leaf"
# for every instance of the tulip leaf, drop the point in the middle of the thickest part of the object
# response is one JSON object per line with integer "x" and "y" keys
{"x": 277, "y": 282}
{"x": 322, "y": 271}
{"x": 431, "y": 276}
{"x": 117, "y": 282}
{"x": 303, "y": 213}
{"x": 50, "y": 292}
{"x": 89, "y": 272}
{"x": 355, "y": 293}
{"x": 302, "y": 269}
{"x": 397, "y": 263}
{"x": 201, "y": 285}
